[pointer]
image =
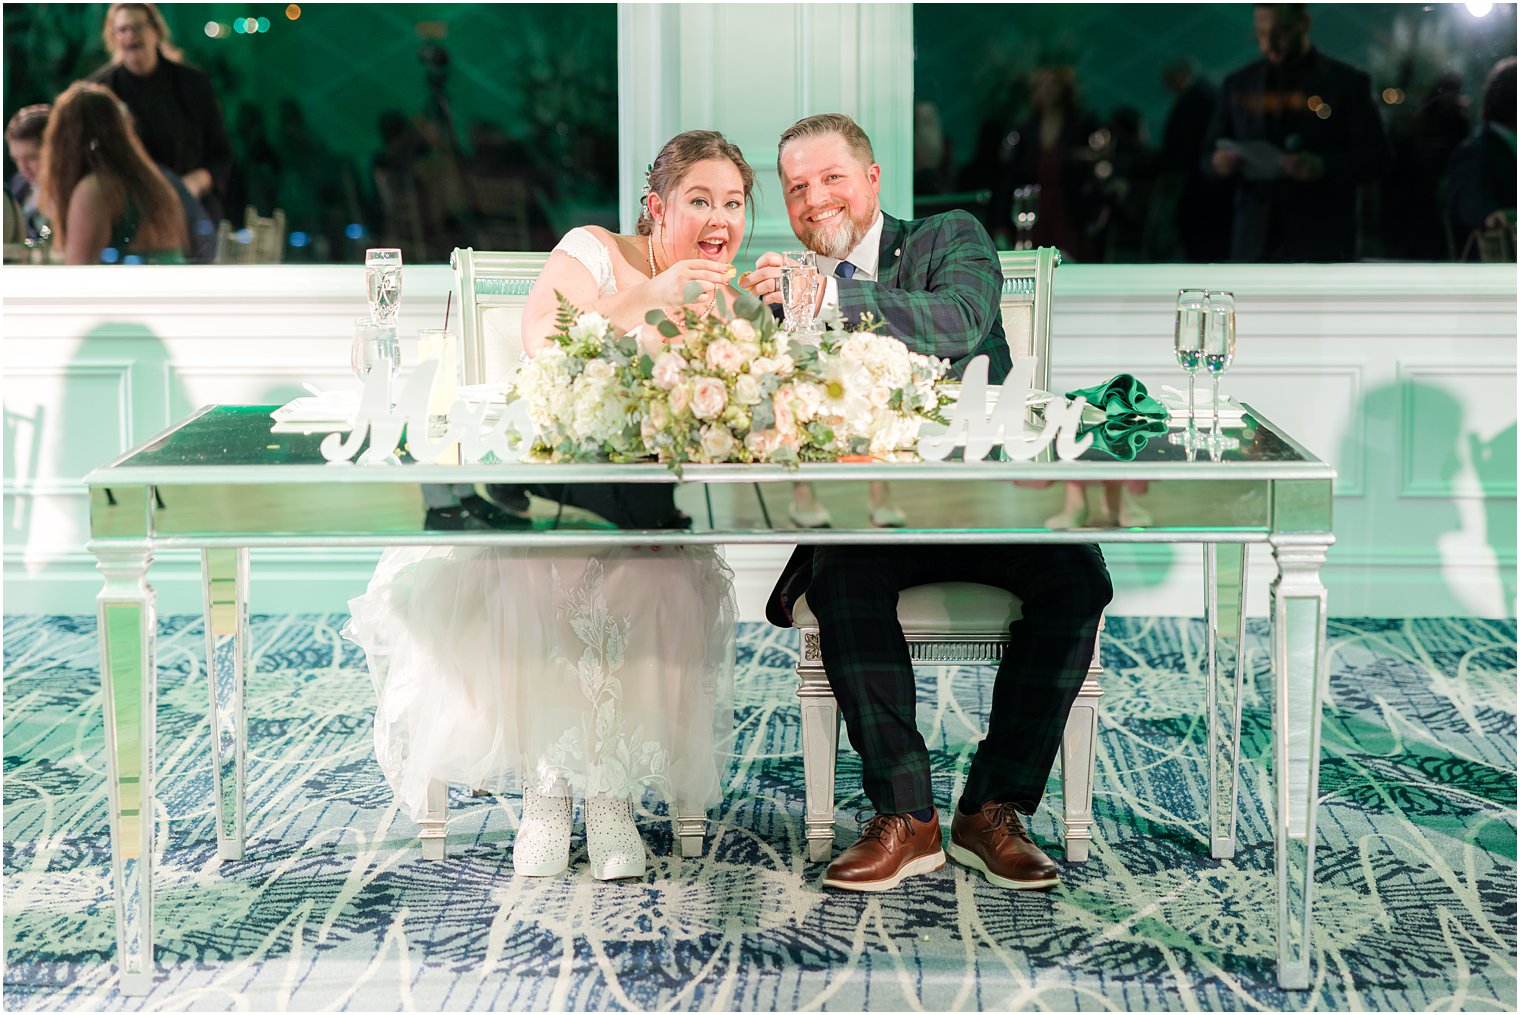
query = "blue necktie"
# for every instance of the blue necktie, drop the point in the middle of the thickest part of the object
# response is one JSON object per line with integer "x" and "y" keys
{"x": 845, "y": 269}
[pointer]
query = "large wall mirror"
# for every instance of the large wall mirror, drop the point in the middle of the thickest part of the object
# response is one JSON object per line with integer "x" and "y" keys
{"x": 1088, "y": 126}
{"x": 423, "y": 126}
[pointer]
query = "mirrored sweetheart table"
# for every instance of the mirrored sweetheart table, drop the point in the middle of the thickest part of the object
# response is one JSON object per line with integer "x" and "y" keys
{"x": 223, "y": 482}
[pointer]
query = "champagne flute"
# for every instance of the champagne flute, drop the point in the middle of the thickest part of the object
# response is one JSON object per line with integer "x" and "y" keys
{"x": 1187, "y": 341}
{"x": 1219, "y": 353}
{"x": 382, "y": 281}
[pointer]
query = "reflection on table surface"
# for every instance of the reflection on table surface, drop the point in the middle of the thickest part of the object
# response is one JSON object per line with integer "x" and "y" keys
{"x": 222, "y": 472}
{"x": 240, "y": 436}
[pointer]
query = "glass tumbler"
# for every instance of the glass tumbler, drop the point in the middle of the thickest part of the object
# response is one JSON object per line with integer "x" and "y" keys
{"x": 375, "y": 347}
{"x": 442, "y": 346}
{"x": 799, "y": 289}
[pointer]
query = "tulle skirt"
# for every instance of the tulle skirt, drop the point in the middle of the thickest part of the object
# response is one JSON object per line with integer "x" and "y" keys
{"x": 609, "y": 672}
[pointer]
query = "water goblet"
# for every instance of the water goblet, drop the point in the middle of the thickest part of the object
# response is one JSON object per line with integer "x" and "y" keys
{"x": 1219, "y": 353}
{"x": 375, "y": 346}
{"x": 1187, "y": 342}
{"x": 799, "y": 288}
{"x": 382, "y": 282}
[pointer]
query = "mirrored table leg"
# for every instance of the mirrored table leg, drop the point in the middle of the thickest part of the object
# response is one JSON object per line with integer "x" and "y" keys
{"x": 224, "y": 575}
{"x": 1299, "y": 670}
{"x": 1224, "y": 566}
{"x": 127, "y": 618}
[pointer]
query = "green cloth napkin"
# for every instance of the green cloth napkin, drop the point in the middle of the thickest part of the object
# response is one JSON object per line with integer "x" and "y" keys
{"x": 1123, "y": 437}
{"x": 1122, "y": 397}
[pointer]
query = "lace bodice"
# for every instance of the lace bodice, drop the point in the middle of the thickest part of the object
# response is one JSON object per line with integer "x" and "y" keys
{"x": 593, "y": 253}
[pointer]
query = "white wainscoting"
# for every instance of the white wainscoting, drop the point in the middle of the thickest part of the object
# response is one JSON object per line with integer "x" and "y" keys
{"x": 1402, "y": 376}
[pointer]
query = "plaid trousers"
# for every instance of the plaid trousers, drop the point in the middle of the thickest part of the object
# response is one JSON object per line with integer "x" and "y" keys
{"x": 853, "y": 593}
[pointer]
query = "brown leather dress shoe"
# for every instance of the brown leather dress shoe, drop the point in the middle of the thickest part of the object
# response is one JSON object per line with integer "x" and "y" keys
{"x": 891, "y": 847}
{"x": 993, "y": 841}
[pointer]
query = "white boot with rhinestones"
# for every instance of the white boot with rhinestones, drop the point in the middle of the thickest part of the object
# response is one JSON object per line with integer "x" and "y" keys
{"x": 612, "y": 839}
{"x": 542, "y": 846}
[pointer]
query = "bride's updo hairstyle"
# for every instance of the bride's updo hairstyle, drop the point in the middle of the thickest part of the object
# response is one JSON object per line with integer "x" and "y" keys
{"x": 676, "y": 159}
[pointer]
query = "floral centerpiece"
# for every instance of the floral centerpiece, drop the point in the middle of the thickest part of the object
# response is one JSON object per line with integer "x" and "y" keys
{"x": 728, "y": 388}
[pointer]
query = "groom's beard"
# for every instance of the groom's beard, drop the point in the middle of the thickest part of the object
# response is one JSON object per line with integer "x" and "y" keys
{"x": 839, "y": 237}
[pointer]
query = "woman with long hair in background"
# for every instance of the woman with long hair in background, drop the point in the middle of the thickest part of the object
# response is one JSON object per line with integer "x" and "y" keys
{"x": 100, "y": 190}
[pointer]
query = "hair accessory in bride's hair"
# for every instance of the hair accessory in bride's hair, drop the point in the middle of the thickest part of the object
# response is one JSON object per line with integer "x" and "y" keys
{"x": 648, "y": 171}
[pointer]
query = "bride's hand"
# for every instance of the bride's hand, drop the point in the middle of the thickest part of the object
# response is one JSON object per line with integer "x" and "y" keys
{"x": 668, "y": 288}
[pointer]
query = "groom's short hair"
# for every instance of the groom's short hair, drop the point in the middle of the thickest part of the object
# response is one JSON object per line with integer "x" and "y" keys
{"x": 828, "y": 123}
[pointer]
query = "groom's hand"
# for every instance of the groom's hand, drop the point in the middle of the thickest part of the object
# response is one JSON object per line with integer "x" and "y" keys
{"x": 765, "y": 280}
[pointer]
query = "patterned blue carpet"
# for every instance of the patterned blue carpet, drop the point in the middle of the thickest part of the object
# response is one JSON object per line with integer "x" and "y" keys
{"x": 334, "y": 908}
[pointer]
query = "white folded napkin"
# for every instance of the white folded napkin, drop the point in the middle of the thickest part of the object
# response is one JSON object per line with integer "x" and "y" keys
{"x": 1176, "y": 402}
{"x": 324, "y": 407}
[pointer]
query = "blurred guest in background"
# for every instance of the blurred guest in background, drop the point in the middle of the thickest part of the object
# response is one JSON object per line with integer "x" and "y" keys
{"x": 23, "y": 139}
{"x": 1053, "y": 149}
{"x": 1197, "y": 207}
{"x": 104, "y": 196}
{"x": 1299, "y": 132}
{"x": 173, "y": 106}
{"x": 1423, "y": 141}
{"x": 1480, "y": 180}
{"x": 1126, "y": 175}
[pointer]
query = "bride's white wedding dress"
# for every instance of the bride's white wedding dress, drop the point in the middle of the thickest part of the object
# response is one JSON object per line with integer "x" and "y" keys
{"x": 604, "y": 673}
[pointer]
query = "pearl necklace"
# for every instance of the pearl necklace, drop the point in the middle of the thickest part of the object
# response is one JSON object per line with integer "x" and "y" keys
{"x": 712, "y": 297}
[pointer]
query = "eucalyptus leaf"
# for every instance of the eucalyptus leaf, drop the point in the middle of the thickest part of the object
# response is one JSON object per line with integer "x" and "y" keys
{"x": 655, "y": 316}
{"x": 747, "y": 305}
{"x": 762, "y": 416}
{"x": 668, "y": 329}
{"x": 691, "y": 292}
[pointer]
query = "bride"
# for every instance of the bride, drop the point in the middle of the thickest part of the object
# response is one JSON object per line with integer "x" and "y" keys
{"x": 599, "y": 675}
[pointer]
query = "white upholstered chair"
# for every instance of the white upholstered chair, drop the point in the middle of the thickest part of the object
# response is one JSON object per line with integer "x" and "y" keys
{"x": 490, "y": 289}
{"x": 958, "y": 623}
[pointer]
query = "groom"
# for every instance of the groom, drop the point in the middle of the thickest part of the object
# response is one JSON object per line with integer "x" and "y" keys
{"x": 936, "y": 283}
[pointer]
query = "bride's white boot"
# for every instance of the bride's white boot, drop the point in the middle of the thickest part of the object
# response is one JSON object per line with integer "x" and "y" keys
{"x": 613, "y": 842}
{"x": 542, "y": 846}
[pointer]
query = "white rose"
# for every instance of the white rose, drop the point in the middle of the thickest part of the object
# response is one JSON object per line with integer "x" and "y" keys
{"x": 708, "y": 397}
{"x": 717, "y": 443}
{"x": 725, "y": 356}
{"x": 762, "y": 443}
{"x": 588, "y": 326}
{"x": 668, "y": 369}
{"x": 747, "y": 390}
{"x": 742, "y": 330}
{"x": 598, "y": 370}
{"x": 658, "y": 413}
{"x": 806, "y": 397}
{"x": 880, "y": 395}
{"x": 786, "y": 419}
{"x": 680, "y": 398}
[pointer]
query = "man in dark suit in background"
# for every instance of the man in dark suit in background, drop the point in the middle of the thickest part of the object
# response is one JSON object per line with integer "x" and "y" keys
{"x": 936, "y": 284}
{"x": 1300, "y": 133}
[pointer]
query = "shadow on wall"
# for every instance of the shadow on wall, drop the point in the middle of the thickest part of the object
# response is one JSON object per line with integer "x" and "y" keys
{"x": 1432, "y": 479}
{"x": 1493, "y": 462}
{"x": 115, "y": 391}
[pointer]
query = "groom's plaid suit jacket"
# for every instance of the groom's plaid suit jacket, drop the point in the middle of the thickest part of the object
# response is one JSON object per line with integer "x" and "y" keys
{"x": 938, "y": 288}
